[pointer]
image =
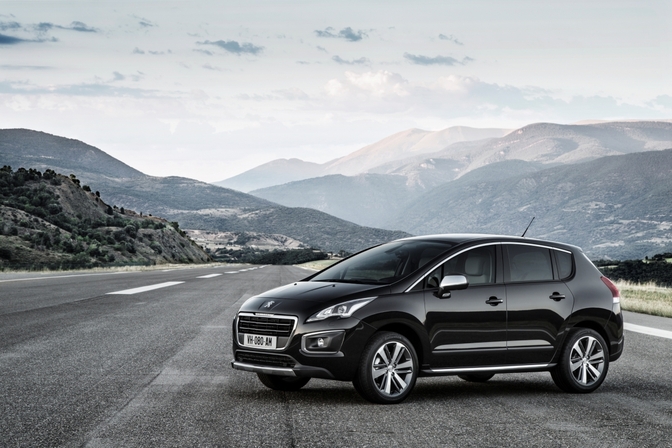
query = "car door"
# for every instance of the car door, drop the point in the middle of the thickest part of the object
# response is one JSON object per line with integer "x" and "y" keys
{"x": 538, "y": 303}
{"x": 468, "y": 328}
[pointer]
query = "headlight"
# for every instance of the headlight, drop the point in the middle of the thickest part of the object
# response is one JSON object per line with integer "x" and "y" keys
{"x": 344, "y": 309}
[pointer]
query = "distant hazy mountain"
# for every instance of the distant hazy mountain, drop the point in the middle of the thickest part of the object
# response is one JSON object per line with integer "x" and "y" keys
{"x": 368, "y": 199}
{"x": 405, "y": 144}
{"x": 616, "y": 206}
{"x": 193, "y": 204}
{"x": 402, "y": 181}
{"x": 276, "y": 172}
{"x": 545, "y": 143}
{"x": 375, "y": 199}
{"x": 397, "y": 146}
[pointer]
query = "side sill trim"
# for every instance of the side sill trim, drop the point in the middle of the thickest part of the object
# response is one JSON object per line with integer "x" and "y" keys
{"x": 281, "y": 371}
{"x": 490, "y": 369}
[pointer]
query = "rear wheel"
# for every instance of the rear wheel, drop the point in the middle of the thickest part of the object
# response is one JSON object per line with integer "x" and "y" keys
{"x": 388, "y": 369}
{"x": 584, "y": 362}
{"x": 286, "y": 383}
{"x": 476, "y": 377}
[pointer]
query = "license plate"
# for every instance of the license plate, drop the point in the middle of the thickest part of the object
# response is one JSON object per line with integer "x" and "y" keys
{"x": 259, "y": 341}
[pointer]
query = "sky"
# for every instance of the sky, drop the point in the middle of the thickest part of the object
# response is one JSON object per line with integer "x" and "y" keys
{"x": 207, "y": 89}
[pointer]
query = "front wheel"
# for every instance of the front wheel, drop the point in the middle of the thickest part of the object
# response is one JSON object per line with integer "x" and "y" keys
{"x": 584, "y": 362}
{"x": 388, "y": 369}
{"x": 285, "y": 383}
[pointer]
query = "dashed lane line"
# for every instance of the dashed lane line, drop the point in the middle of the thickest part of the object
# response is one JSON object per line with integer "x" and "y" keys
{"x": 145, "y": 288}
{"x": 209, "y": 276}
{"x": 648, "y": 330}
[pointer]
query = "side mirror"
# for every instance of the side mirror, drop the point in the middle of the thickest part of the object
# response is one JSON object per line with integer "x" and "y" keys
{"x": 450, "y": 283}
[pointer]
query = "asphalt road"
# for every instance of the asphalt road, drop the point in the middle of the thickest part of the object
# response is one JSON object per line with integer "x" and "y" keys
{"x": 82, "y": 367}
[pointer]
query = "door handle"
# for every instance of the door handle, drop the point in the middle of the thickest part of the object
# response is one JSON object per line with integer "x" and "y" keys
{"x": 494, "y": 301}
{"x": 556, "y": 296}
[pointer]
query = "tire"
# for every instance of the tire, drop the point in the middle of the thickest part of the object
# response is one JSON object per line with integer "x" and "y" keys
{"x": 388, "y": 369}
{"x": 476, "y": 377}
{"x": 284, "y": 383}
{"x": 584, "y": 362}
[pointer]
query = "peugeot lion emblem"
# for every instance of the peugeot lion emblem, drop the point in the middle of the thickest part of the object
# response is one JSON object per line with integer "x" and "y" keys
{"x": 268, "y": 305}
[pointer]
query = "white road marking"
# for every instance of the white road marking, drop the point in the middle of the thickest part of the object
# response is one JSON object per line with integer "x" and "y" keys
{"x": 209, "y": 276}
{"x": 63, "y": 276}
{"x": 231, "y": 272}
{"x": 648, "y": 330}
{"x": 145, "y": 288}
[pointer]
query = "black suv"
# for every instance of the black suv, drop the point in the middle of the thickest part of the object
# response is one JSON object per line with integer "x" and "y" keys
{"x": 466, "y": 305}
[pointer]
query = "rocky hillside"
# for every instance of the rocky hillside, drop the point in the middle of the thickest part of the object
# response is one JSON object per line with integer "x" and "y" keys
{"x": 51, "y": 220}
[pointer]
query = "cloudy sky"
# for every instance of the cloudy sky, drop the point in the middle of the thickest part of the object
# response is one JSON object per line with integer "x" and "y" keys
{"x": 210, "y": 88}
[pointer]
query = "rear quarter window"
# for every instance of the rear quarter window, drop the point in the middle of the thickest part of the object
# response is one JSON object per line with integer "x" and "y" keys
{"x": 565, "y": 262}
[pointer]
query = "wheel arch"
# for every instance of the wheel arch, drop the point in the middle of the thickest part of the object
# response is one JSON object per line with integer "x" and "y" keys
{"x": 592, "y": 325}
{"x": 409, "y": 333}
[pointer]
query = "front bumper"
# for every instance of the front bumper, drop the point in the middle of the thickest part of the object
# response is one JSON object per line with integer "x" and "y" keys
{"x": 296, "y": 371}
{"x": 300, "y": 358}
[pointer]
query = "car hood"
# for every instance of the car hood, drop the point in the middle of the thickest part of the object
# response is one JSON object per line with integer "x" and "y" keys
{"x": 316, "y": 291}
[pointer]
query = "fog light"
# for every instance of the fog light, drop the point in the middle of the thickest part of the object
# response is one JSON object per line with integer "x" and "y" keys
{"x": 323, "y": 342}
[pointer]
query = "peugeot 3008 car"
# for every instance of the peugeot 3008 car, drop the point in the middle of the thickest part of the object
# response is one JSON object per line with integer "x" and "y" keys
{"x": 466, "y": 305}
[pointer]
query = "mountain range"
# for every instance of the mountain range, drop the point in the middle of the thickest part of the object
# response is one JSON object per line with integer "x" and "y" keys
{"x": 395, "y": 147}
{"x": 434, "y": 193}
{"x": 602, "y": 186}
{"x": 194, "y": 204}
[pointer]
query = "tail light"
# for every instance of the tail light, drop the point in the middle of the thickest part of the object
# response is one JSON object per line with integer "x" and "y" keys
{"x": 615, "y": 293}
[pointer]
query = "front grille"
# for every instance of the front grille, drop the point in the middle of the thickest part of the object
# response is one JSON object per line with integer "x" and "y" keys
{"x": 264, "y": 359}
{"x": 266, "y": 326}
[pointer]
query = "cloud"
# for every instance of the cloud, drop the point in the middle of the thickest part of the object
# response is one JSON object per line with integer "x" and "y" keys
{"x": 376, "y": 84}
{"x": 360, "y": 61}
{"x": 25, "y": 67}
{"x": 136, "y": 50}
{"x": 145, "y": 23}
{"x": 346, "y": 33}
{"x": 208, "y": 52}
{"x": 211, "y": 67}
{"x": 4, "y": 26}
{"x": 234, "y": 47}
{"x": 83, "y": 90}
{"x": 81, "y": 27}
{"x": 468, "y": 99}
{"x": 437, "y": 60}
{"x": 450, "y": 38}
{"x": 10, "y": 40}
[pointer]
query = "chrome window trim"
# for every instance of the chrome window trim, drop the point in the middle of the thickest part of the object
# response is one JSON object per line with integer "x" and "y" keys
{"x": 279, "y": 316}
{"x": 520, "y": 243}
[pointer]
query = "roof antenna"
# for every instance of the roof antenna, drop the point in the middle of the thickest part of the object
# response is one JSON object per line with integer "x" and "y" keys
{"x": 528, "y": 226}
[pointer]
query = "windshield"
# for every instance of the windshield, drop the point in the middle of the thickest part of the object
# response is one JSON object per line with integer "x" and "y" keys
{"x": 384, "y": 264}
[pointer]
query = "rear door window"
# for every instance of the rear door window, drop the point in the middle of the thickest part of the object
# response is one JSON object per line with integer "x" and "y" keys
{"x": 529, "y": 263}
